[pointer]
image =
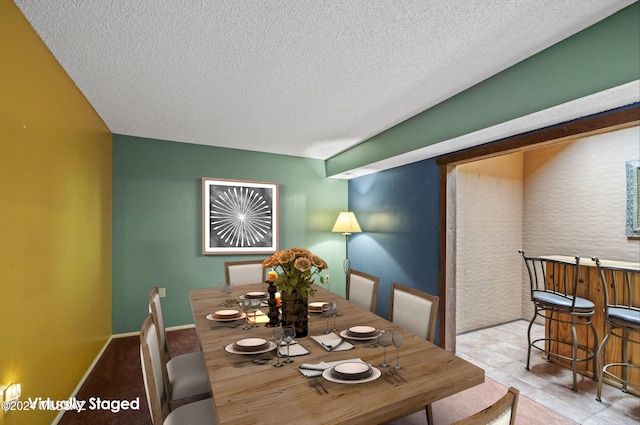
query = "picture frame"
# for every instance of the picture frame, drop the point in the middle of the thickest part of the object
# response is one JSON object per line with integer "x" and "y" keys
{"x": 239, "y": 216}
{"x": 633, "y": 199}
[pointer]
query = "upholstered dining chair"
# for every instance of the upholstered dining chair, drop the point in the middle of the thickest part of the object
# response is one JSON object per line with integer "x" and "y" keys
{"x": 502, "y": 412}
{"x": 244, "y": 272}
{"x": 414, "y": 310}
{"x": 553, "y": 283}
{"x": 196, "y": 413}
{"x": 362, "y": 289}
{"x": 186, "y": 374}
{"x": 621, "y": 288}
{"x": 417, "y": 312}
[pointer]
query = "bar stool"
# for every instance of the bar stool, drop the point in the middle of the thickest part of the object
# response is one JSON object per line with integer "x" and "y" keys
{"x": 621, "y": 287}
{"x": 553, "y": 285}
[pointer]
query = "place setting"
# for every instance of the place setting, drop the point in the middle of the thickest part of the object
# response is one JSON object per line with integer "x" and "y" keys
{"x": 350, "y": 371}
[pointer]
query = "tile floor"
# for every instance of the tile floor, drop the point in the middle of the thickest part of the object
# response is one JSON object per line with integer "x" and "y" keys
{"x": 502, "y": 352}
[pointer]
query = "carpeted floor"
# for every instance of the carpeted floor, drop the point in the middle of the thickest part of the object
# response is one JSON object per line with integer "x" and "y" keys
{"x": 118, "y": 376}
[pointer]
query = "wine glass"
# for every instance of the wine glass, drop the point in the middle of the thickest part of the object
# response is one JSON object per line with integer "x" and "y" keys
{"x": 397, "y": 337}
{"x": 221, "y": 286}
{"x": 385, "y": 339}
{"x": 228, "y": 289}
{"x": 289, "y": 333}
{"x": 326, "y": 313}
{"x": 246, "y": 307}
{"x": 255, "y": 305}
{"x": 335, "y": 307}
{"x": 277, "y": 336}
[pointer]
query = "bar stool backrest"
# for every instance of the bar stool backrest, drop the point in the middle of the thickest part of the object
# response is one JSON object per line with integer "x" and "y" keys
{"x": 553, "y": 275}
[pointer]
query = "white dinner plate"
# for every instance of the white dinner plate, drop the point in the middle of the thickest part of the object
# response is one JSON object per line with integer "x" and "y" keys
{"x": 229, "y": 349}
{"x": 375, "y": 374}
{"x": 347, "y": 335}
{"x": 362, "y": 330}
{"x": 315, "y": 307}
{"x": 250, "y": 345}
{"x": 215, "y": 319}
{"x": 227, "y": 314}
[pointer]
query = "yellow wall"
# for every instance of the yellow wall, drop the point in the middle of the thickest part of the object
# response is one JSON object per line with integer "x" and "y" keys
{"x": 55, "y": 222}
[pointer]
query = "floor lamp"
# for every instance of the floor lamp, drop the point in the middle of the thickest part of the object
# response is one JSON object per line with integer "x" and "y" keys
{"x": 346, "y": 224}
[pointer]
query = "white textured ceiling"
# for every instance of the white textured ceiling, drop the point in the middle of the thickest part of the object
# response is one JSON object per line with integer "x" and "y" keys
{"x": 302, "y": 77}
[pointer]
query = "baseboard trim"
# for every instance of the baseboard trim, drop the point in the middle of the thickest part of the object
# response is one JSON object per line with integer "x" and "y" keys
{"x": 172, "y": 328}
{"x": 84, "y": 378}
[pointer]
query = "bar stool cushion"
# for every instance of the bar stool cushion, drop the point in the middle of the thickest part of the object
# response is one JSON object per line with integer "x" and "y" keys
{"x": 631, "y": 316}
{"x": 548, "y": 297}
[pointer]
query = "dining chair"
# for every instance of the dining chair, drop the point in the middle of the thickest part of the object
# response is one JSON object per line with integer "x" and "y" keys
{"x": 417, "y": 312}
{"x": 621, "y": 288}
{"x": 502, "y": 412}
{"x": 414, "y": 310}
{"x": 362, "y": 289}
{"x": 553, "y": 284}
{"x": 186, "y": 374}
{"x": 244, "y": 272}
{"x": 195, "y": 413}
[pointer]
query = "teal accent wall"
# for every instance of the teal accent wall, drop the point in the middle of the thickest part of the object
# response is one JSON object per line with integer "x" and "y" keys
{"x": 157, "y": 204}
{"x": 600, "y": 57}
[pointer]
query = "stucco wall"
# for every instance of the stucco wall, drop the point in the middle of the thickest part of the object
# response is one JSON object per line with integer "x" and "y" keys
{"x": 489, "y": 230}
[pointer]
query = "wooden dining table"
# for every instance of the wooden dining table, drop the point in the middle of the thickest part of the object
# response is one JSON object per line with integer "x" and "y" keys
{"x": 263, "y": 394}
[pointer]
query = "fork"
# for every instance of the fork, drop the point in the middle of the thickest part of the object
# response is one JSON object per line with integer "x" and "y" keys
{"x": 317, "y": 384}
{"x": 395, "y": 375}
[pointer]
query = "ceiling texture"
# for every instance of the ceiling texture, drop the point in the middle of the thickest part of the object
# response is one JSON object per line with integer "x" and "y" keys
{"x": 308, "y": 78}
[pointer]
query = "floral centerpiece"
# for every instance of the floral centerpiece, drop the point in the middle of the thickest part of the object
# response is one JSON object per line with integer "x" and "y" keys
{"x": 294, "y": 271}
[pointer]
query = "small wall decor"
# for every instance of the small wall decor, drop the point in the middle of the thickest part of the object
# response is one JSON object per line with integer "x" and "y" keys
{"x": 239, "y": 217}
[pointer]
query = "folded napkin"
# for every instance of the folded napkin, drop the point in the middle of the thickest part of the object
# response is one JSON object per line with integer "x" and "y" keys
{"x": 294, "y": 350}
{"x": 261, "y": 317}
{"x": 332, "y": 342}
{"x": 315, "y": 369}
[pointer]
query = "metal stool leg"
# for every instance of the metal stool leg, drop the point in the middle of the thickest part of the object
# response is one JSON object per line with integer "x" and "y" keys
{"x": 535, "y": 313}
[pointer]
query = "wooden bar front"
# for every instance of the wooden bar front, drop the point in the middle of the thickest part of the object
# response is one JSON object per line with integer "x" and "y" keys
{"x": 590, "y": 287}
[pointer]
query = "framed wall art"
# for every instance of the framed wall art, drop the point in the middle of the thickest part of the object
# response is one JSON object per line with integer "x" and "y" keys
{"x": 239, "y": 217}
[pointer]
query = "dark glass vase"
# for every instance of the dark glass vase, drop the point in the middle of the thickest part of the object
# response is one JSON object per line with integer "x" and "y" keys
{"x": 295, "y": 312}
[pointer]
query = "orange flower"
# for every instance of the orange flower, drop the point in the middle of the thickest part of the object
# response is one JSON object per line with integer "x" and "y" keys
{"x": 272, "y": 276}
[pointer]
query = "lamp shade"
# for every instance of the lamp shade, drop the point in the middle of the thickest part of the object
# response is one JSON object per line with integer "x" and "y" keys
{"x": 346, "y": 223}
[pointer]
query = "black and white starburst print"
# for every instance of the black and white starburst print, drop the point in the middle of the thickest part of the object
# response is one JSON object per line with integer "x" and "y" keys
{"x": 240, "y": 216}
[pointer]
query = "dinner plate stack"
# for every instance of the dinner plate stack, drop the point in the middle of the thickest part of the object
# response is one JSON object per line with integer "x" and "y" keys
{"x": 362, "y": 332}
{"x": 227, "y": 314}
{"x": 249, "y": 345}
{"x": 351, "y": 371}
{"x": 316, "y": 307}
{"x": 255, "y": 295}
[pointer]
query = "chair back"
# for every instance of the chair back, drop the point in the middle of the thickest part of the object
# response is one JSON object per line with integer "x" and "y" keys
{"x": 502, "y": 412}
{"x": 244, "y": 272}
{"x": 554, "y": 276}
{"x": 362, "y": 289}
{"x": 152, "y": 372}
{"x": 155, "y": 308}
{"x": 621, "y": 288}
{"x": 414, "y": 310}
